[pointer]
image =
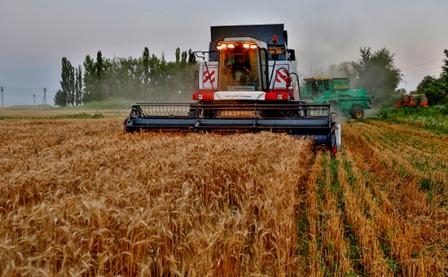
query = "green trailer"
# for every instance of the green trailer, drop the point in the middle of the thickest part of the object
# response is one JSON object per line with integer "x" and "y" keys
{"x": 352, "y": 102}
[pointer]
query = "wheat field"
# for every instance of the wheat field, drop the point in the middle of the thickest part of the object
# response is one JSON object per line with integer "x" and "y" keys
{"x": 81, "y": 198}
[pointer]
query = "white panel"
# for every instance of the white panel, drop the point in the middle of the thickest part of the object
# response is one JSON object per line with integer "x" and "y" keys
{"x": 239, "y": 95}
{"x": 207, "y": 78}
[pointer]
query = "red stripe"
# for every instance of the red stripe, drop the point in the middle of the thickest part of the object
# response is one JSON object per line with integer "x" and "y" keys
{"x": 282, "y": 75}
{"x": 207, "y": 76}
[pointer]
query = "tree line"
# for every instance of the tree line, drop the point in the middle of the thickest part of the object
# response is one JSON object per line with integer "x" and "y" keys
{"x": 146, "y": 78}
{"x": 436, "y": 89}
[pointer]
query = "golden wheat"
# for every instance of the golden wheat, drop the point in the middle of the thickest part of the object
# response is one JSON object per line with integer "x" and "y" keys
{"x": 80, "y": 197}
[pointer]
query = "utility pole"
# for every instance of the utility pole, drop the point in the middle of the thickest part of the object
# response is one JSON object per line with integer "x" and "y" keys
{"x": 34, "y": 99}
{"x": 45, "y": 97}
{"x": 3, "y": 103}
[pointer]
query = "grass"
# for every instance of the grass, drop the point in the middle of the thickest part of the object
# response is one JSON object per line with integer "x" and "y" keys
{"x": 117, "y": 103}
{"x": 434, "y": 119}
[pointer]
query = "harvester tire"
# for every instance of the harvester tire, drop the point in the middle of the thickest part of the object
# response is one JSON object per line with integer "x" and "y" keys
{"x": 357, "y": 112}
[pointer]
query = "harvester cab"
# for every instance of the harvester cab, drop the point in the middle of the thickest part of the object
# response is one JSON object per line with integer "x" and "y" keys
{"x": 247, "y": 63}
{"x": 246, "y": 83}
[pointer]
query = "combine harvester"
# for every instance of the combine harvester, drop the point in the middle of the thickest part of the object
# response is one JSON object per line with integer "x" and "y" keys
{"x": 246, "y": 83}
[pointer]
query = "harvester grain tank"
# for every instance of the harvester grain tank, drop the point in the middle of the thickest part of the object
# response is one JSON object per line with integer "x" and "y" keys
{"x": 351, "y": 102}
{"x": 247, "y": 82}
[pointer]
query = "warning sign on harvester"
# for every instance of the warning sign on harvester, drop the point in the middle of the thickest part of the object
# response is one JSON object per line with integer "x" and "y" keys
{"x": 281, "y": 75}
{"x": 209, "y": 76}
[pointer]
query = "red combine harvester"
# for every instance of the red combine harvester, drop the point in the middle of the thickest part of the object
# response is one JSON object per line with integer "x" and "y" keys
{"x": 246, "y": 83}
{"x": 410, "y": 100}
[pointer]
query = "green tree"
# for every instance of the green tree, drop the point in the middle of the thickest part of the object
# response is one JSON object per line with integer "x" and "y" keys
{"x": 184, "y": 57}
{"x": 444, "y": 74}
{"x": 60, "y": 99}
{"x": 146, "y": 65}
{"x": 432, "y": 88}
{"x": 177, "y": 54}
{"x": 78, "y": 86}
{"x": 376, "y": 71}
{"x": 67, "y": 83}
{"x": 99, "y": 72}
{"x": 89, "y": 80}
{"x": 436, "y": 89}
{"x": 191, "y": 57}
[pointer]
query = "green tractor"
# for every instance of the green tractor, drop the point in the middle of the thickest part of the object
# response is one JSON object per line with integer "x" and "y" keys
{"x": 336, "y": 91}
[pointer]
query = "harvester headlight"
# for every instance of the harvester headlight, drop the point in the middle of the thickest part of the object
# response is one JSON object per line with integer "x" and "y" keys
{"x": 231, "y": 46}
{"x": 253, "y": 46}
{"x": 246, "y": 45}
{"x": 221, "y": 47}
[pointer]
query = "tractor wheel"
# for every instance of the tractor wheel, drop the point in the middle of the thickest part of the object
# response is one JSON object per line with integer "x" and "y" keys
{"x": 357, "y": 112}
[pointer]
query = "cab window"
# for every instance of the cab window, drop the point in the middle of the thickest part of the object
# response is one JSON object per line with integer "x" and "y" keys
{"x": 239, "y": 69}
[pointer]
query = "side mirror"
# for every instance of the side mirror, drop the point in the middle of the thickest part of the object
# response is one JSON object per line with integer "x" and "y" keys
{"x": 292, "y": 54}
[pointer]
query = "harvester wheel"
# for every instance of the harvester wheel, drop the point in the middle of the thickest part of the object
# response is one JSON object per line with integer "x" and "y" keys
{"x": 357, "y": 112}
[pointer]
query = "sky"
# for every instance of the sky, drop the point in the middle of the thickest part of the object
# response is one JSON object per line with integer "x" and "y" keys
{"x": 36, "y": 34}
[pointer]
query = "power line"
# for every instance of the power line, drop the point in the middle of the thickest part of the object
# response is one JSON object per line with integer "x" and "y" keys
{"x": 18, "y": 94}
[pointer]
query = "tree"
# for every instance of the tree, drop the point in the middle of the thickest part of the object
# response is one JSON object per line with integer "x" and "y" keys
{"x": 377, "y": 72}
{"x": 191, "y": 57}
{"x": 184, "y": 57}
{"x": 177, "y": 54}
{"x": 444, "y": 74}
{"x": 99, "y": 70}
{"x": 146, "y": 65}
{"x": 432, "y": 88}
{"x": 89, "y": 80}
{"x": 78, "y": 86}
{"x": 436, "y": 90}
{"x": 67, "y": 83}
{"x": 445, "y": 64}
{"x": 60, "y": 99}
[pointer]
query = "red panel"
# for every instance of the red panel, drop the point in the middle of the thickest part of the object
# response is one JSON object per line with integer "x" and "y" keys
{"x": 278, "y": 95}
{"x": 204, "y": 95}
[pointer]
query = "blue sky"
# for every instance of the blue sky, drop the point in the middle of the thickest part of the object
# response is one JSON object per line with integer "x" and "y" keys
{"x": 35, "y": 35}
